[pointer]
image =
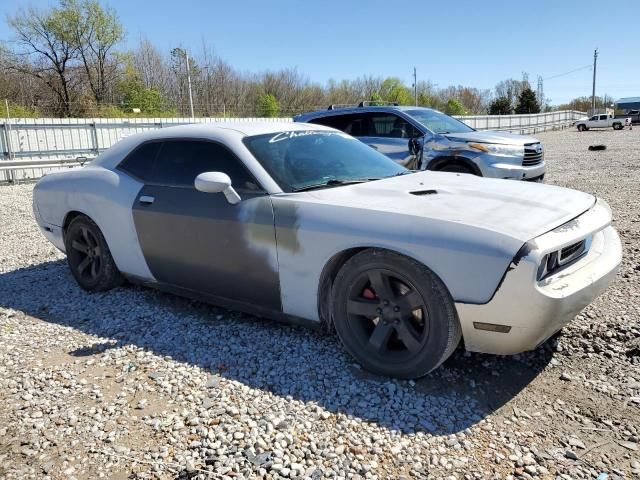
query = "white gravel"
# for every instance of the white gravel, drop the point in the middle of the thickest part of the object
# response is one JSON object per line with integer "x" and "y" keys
{"x": 137, "y": 384}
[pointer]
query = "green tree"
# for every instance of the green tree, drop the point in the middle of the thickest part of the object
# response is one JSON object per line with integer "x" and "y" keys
{"x": 96, "y": 31}
{"x": 527, "y": 101}
{"x": 268, "y": 106}
{"x": 376, "y": 99}
{"x": 135, "y": 94}
{"x": 500, "y": 106}
{"x": 454, "y": 107}
{"x": 393, "y": 90}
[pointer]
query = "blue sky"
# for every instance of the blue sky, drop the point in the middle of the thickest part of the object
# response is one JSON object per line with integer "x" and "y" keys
{"x": 473, "y": 43}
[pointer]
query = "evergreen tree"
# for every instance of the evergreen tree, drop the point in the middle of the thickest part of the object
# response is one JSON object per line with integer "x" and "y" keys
{"x": 527, "y": 101}
{"x": 500, "y": 106}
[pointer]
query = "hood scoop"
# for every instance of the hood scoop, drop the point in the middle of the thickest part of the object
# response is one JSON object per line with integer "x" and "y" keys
{"x": 420, "y": 193}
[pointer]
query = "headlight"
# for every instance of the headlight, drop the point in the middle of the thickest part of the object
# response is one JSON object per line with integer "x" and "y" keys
{"x": 499, "y": 150}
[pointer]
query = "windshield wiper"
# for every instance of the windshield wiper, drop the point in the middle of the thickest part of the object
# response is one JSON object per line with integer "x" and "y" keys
{"x": 334, "y": 182}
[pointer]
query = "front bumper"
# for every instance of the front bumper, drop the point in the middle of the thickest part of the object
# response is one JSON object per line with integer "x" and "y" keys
{"x": 533, "y": 310}
{"x": 513, "y": 171}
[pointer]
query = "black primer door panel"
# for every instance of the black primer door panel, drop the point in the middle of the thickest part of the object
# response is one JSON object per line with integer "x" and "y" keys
{"x": 201, "y": 242}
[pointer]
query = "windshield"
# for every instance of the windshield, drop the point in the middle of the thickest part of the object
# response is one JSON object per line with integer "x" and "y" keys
{"x": 439, "y": 122}
{"x": 302, "y": 159}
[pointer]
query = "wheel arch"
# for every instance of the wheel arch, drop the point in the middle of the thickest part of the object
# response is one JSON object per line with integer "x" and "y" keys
{"x": 439, "y": 162}
{"x": 335, "y": 264}
{"x": 70, "y": 216}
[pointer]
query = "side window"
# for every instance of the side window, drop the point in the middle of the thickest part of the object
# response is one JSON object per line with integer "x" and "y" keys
{"x": 139, "y": 163}
{"x": 603, "y": 117}
{"x": 179, "y": 162}
{"x": 354, "y": 124}
{"x": 391, "y": 126}
{"x": 595, "y": 117}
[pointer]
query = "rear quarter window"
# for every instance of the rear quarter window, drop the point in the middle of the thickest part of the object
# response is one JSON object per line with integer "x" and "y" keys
{"x": 139, "y": 163}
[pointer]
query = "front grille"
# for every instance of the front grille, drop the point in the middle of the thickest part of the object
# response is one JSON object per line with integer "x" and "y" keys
{"x": 531, "y": 156}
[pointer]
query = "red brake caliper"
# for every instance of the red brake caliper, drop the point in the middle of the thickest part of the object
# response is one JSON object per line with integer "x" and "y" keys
{"x": 368, "y": 294}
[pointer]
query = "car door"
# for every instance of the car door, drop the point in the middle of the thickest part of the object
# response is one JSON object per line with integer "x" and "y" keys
{"x": 592, "y": 122}
{"x": 389, "y": 134}
{"x": 199, "y": 241}
{"x": 603, "y": 121}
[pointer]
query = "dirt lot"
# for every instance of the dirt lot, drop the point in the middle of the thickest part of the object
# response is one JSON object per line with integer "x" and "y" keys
{"x": 137, "y": 384}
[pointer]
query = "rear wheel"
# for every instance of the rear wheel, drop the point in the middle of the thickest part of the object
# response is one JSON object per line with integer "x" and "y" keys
{"x": 89, "y": 257}
{"x": 617, "y": 126}
{"x": 393, "y": 314}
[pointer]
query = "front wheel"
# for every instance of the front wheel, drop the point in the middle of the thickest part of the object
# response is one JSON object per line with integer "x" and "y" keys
{"x": 89, "y": 257}
{"x": 393, "y": 314}
{"x": 582, "y": 128}
{"x": 456, "y": 168}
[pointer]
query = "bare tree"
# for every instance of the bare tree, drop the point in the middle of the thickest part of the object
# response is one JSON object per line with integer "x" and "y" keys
{"x": 96, "y": 32}
{"x": 47, "y": 50}
{"x": 151, "y": 66}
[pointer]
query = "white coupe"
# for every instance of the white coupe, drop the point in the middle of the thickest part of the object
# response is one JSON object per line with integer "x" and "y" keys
{"x": 302, "y": 222}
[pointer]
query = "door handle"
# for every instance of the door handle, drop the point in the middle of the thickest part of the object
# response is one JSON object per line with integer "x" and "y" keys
{"x": 372, "y": 146}
{"x": 146, "y": 199}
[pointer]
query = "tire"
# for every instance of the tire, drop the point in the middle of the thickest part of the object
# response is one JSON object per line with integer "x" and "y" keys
{"x": 456, "y": 168}
{"x": 88, "y": 256}
{"x": 406, "y": 335}
{"x": 617, "y": 126}
{"x": 581, "y": 128}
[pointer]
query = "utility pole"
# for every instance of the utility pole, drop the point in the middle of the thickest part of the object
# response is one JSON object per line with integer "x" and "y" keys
{"x": 593, "y": 92}
{"x": 415, "y": 86}
{"x": 180, "y": 51}
{"x": 189, "y": 82}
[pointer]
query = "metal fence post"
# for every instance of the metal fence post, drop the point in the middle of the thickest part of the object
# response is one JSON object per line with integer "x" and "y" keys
{"x": 94, "y": 137}
{"x": 3, "y": 141}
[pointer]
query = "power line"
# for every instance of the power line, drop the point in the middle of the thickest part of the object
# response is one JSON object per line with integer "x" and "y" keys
{"x": 569, "y": 72}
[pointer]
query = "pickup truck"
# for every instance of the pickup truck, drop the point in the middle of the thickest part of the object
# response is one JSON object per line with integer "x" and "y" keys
{"x": 601, "y": 121}
{"x": 634, "y": 115}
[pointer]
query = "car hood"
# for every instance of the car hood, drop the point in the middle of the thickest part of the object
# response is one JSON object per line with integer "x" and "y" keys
{"x": 490, "y": 136}
{"x": 521, "y": 210}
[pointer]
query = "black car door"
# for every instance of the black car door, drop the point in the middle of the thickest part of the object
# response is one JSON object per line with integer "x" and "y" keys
{"x": 199, "y": 241}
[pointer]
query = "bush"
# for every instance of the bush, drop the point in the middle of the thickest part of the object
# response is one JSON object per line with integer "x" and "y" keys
{"x": 268, "y": 106}
{"x": 19, "y": 111}
{"x": 454, "y": 107}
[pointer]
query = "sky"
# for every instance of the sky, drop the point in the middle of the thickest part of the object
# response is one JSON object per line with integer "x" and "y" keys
{"x": 470, "y": 43}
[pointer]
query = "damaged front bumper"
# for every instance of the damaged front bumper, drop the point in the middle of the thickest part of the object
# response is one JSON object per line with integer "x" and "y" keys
{"x": 525, "y": 310}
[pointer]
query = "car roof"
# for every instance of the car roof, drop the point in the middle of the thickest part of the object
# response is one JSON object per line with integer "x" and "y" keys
{"x": 331, "y": 111}
{"x": 224, "y": 131}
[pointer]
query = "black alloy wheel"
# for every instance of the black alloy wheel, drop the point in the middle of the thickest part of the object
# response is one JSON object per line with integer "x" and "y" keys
{"x": 89, "y": 257}
{"x": 393, "y": 314}
{"x": 388, "y": 312}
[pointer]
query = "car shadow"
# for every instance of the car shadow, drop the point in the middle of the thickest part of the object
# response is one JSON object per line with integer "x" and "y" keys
{"x": 288, "y": 361}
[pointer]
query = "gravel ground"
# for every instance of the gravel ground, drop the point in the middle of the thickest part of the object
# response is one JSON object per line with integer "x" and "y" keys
{"x": 138, "y": 384}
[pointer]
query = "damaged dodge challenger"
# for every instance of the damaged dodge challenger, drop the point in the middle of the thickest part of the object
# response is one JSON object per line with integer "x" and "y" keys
{"x": 304, "y": 223}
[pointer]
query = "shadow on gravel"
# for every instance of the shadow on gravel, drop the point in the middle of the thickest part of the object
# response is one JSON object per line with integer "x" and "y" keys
{"x": 287, "y": 361}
